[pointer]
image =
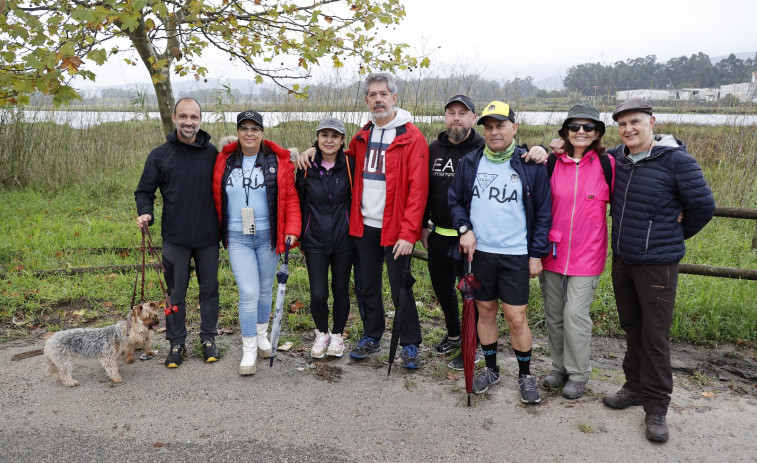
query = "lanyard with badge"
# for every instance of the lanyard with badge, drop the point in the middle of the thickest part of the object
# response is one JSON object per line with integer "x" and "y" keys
{"x": 248, "y": 213}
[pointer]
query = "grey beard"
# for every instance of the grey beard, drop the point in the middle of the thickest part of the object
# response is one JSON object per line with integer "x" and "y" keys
{"x": 457, "y": 134}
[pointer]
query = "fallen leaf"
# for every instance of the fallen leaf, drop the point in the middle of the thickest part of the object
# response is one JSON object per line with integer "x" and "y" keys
{"x": 454, "y": 376}
{"x": 158, "y": 445}
{"x": 107, "y": 304}
{"x": 296, "y": 306}
{"x": 78, "y": 313}
{"x": 286, "y": 346}
{"x": 709, "y": 394}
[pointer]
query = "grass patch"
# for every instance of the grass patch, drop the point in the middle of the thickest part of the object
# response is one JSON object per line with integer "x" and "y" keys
{"x": 69, "y": 203}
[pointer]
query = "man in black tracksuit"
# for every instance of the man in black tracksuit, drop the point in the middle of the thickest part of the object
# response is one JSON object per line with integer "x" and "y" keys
{"x": 183, "y": 170}
{"x": 439, "y": 237}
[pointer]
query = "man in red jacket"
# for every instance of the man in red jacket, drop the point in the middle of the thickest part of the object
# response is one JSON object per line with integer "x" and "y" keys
{"x": 389, "y": 198}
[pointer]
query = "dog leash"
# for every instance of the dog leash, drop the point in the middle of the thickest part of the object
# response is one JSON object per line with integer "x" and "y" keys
{"x": 146, "y": 237}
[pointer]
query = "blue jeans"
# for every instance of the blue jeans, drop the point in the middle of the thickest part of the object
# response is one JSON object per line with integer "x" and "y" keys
{"x": 254, "y": 265}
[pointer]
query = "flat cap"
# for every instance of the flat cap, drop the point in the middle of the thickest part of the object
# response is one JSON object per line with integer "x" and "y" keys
{"x": 632, "y": 104}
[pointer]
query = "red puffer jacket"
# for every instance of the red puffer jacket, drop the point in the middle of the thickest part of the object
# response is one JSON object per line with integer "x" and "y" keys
{"x": 279, "y": 182}
{"x": 406, "y": 184}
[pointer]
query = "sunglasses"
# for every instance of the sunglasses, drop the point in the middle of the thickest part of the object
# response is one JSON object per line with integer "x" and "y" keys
{"x": 575, "y": 127}
{"x": 253, "y": 129}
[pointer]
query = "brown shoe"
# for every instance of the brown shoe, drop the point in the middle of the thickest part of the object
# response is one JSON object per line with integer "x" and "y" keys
{"x": 657, "y": 428}
{"x": 622, "y": 399}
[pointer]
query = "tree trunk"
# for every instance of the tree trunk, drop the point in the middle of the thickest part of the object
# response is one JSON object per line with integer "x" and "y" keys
{"x": 161, "y": 77}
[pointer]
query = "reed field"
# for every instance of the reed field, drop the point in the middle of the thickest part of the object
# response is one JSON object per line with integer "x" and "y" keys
{"x": 68, "y": 203}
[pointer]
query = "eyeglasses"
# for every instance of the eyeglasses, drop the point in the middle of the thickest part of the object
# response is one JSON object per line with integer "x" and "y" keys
{"x": 588, "y": 127}
{"x": 250, "y": 128}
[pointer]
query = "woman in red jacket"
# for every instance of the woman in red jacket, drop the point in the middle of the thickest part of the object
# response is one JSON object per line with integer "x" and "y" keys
{"x": 258, "y": 209}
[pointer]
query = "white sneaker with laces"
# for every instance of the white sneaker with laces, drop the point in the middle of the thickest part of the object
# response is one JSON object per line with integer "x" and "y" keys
{"x": 321, "y": 343}
{"x": 336, "y": 346}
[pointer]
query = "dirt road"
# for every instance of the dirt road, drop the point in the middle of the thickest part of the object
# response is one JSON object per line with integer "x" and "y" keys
{"x": 293, "y": 413}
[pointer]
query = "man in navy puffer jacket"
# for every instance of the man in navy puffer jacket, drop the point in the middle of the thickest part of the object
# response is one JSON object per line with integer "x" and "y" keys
{"x": 660, "y": 199}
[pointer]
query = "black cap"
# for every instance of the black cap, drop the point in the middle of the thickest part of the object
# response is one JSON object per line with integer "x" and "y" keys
{"x": 632, "y": 104}
{"x": 462, "y": 99}
{"x": 250, "y": 115}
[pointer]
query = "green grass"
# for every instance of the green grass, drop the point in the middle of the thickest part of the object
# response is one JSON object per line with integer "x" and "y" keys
{"x": 78, "y": 210}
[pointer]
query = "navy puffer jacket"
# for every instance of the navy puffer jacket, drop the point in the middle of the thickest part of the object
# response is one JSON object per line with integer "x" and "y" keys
{"x": 647, "y": 199}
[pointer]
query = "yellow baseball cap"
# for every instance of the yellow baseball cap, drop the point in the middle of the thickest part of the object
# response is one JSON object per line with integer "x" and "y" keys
{"x": 497, "y": 110}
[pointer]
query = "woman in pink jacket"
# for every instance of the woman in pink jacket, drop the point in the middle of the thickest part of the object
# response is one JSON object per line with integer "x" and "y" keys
{"x": 581, "y": 179}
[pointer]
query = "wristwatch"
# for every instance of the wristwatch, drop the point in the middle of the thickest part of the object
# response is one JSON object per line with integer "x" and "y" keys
{"x": 462, "y": 230}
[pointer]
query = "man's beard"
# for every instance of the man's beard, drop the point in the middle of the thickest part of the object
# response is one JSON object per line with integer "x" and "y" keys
{"x": 456, "y": 134}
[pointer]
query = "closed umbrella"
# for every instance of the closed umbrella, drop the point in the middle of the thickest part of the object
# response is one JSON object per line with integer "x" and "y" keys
{"x": 468, "y": 284}
{"x": 281, "y": 276}
{"x": 406, "y": 284}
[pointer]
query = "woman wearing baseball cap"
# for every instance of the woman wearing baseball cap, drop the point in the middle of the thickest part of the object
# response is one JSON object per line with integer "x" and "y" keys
{"x": 325, "y": 190}
{"x": 258, "y": 209}
{"x": 581, "y": 179}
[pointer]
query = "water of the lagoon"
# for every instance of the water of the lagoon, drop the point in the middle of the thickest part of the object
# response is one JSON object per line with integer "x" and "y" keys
{"x": 81, "y": 119}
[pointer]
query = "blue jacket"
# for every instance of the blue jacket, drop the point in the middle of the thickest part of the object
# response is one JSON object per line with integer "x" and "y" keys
{"x": 536, "y": 193}
{"x": 647, "y": 199}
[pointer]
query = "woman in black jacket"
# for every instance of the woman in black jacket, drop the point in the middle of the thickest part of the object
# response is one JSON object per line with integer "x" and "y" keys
{"x": 325, "y": 191}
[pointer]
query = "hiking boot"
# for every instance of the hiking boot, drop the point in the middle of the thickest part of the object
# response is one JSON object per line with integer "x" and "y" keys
{"x": 367, "y": 345}
{"x": 410, "y": 357}
{"x": 210, "y": 351}
{"x": 175, "y": 356}
{"x": 622, "y": 399}
{"x": 336, "y": 346}
{"x": 447, "y": 346}
{"x": 657, "y": 428}
{"x": 573, "y": 389}
{"x": 320, "y": 345}
{"x": 555, "y": 379}
{"x": 457, "y": 362}
{"x": 483, "y": 379}
{"x": 529, "y": 394}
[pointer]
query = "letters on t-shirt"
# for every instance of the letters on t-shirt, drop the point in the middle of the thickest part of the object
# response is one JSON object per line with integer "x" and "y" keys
{"x": 496, "y": 191}
{"x": 375, "y": 165}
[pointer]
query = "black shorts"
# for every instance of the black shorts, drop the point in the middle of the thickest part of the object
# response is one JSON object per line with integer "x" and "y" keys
{"x": 502, "y": 276}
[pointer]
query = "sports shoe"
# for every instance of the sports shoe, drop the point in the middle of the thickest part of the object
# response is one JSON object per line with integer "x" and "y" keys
{"x": 320, "y": 345}
{"x": 529, "y": 394}
{"x": 574, "y": 389}
{"x": 483, "y": 379}
{"x": 657, "y": 428}
{"x": 622, "y": 399}
{"x": 367, "y": 345}
{"x": 555, "y": 379}
{"x": 410, "y": 357}
{"x": 175, "y": 356}
{"x": 447, "y": 346}
{"x": 336, "y": 346}
{"x": 210, "y": 351}
{"x": 457, "y": 362}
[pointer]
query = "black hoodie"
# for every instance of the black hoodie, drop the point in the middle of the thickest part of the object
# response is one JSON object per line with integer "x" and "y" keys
{"x": 443, "y": 158}
{"x": 184, "y": 174}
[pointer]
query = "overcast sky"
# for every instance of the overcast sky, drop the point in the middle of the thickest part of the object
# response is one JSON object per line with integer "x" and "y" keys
{"x": 543, "y": 38}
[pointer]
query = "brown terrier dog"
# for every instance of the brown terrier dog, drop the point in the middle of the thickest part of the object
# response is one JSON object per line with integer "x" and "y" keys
{"x": 103, "y": 343}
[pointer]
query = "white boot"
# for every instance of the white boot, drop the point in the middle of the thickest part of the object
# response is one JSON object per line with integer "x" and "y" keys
{"x": 249, "y": 355}
{"x": 264, "y": 345}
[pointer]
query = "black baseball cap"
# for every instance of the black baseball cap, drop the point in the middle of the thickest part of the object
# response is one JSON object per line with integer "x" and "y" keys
{"x": 250, "y": 115}
{"x": 462, "y": 99}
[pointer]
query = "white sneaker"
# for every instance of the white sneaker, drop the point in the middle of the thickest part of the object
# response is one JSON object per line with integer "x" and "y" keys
{"x": 336, "y": 346}
{"x": 320, "y": 344}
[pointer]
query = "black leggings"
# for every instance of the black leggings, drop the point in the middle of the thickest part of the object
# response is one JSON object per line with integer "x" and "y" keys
{"x": 318, "y": 268}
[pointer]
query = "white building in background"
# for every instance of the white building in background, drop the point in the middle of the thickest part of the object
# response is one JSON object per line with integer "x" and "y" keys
{"x": 746, "y": 91}
{"x": 647, "y": 94}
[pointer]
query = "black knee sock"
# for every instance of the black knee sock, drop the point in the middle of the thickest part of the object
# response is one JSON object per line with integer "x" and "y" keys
{"x": 524, "y": 362}
{"x": 490, "y": 355}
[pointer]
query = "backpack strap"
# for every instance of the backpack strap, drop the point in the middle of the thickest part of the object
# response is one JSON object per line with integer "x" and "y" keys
{"x": 604, "y": 160}
{"x": 551, "y": 160}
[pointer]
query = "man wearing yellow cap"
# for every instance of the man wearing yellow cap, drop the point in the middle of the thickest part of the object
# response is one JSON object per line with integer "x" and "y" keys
{"x": 500, "y": 206}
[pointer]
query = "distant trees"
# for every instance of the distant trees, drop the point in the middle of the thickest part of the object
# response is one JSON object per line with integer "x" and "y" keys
{"x": 593, "y": 79}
